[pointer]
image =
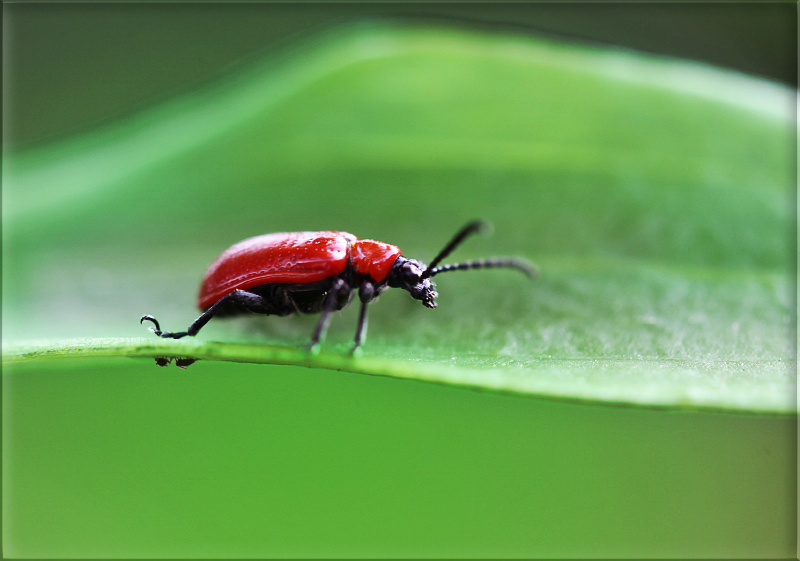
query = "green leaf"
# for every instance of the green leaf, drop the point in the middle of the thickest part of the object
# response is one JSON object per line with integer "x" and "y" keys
{"x": 654, "y": 195}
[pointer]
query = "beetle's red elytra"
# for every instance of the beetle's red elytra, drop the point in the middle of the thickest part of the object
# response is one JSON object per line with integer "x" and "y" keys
{"x": 294, "y": 257}
{"x": 318, "y": 272}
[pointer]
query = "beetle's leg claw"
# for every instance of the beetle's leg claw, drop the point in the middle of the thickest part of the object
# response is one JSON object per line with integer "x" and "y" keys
{"x": 184, "y": 362}
{"x": 157, "y": 329}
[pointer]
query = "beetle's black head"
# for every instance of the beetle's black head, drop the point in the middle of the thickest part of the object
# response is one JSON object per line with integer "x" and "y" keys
{"x": 408, "y": 275}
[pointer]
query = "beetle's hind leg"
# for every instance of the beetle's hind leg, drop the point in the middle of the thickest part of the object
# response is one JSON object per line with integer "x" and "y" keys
{"x": 248, "y": 300}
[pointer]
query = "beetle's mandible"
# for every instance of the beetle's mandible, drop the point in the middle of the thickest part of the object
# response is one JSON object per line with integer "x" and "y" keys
{"x": 318, "y": 272}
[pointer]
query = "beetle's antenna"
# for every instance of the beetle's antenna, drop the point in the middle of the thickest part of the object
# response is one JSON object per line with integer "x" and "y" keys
{"x": 519, "y": 264}
{"x": 471, "y": 228}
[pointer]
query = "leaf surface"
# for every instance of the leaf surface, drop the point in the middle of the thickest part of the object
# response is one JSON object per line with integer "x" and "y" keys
{"x": 654, "y": 196}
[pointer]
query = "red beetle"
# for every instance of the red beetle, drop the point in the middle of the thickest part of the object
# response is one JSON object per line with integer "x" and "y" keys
{"x": 311, "y": 272}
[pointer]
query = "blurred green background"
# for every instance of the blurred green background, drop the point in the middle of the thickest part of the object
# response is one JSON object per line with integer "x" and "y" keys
{"x": 659, "y": 222}
{"x": 71, "y": 66}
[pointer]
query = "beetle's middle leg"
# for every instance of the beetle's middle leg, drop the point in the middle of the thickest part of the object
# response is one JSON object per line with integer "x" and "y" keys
{"x": 339, "y": 288}
{"x": 367, "y": 293}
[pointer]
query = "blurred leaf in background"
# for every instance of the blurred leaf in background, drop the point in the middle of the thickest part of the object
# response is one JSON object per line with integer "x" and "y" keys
{"x": 654, "y": 194}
